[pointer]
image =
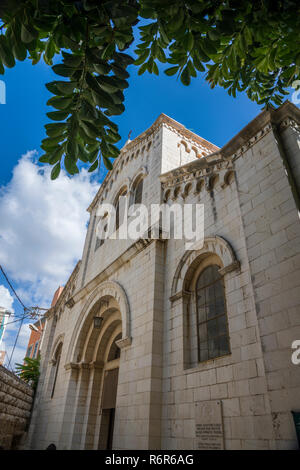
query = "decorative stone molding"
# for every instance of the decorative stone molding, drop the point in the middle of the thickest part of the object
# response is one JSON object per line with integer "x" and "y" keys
{"x": 180, "y": 295}
{"x": 141, "y": 173}
{"x": 212, "y": 245}
{"x": 70, "y": 303}
{"x": 65, "y": 297}
{"x": 72, "y": 365}
{"x": 231, "y": 267}
{"x": 197, "y": 169}
{"x": 124, "y": 342}
{"x": 289, "y": 122}
{"x": 146, "y": 138}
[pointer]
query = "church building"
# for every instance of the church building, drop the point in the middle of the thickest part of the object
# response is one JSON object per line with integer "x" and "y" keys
{"x": 155, "y": 346}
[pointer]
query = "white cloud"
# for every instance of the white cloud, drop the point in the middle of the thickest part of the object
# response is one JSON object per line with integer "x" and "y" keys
{"x": 21, "y": 345}
{"x": 42, "y": 227}
{"x": 42, "y": 232}
{"x": 6, "y": 299}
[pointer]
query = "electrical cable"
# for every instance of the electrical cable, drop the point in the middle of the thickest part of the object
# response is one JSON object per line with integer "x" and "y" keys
{"x": 21, "y": 319}
{"x": 12, "y": 287}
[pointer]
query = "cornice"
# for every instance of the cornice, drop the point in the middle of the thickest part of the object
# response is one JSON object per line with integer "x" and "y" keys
{"x": 65, "y": 296}
{"x": 288, "y": 115}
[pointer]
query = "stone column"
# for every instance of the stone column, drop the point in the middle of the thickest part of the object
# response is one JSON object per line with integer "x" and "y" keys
{"x": 92, "y": 402}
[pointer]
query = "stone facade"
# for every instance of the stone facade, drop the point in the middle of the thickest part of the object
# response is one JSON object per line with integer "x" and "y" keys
{"x": 16, "y": 399}
{"x": 145, "y": 293}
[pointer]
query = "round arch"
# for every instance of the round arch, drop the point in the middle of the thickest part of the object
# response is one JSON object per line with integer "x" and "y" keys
{"x": 187, "y": 265}
{"x": 140, "y": 174}
{"x": 105, "y": 291}
{"x": 124, "y": 184}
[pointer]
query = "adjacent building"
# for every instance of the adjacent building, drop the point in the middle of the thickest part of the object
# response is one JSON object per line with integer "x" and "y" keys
{"x": 37, "y": 329}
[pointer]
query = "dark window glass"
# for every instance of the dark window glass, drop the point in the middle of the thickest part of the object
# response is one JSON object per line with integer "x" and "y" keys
{"x": 211, "y": 315}
{"x": 138, "y": 193}
{"x": 120, "y": 209}
{"x": 100, "y": 241}
{"x": 57, "y": 359}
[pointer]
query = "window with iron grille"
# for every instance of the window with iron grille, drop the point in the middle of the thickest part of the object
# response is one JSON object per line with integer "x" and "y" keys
{"x": 213, "y": 338}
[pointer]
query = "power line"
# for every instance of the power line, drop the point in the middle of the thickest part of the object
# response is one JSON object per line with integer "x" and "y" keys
{"x": 13, "y": 349}
{"x": 10, "y": 285}
{"x": 33, "y": 311}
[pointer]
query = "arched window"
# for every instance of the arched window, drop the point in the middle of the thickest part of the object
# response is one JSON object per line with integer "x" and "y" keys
{"x": 213, "y": 338}
{"x": 138, "y": 192}
{"x": 100, "y": 239}
{"x": 56, "y": 366}
{"x": 120, "y": 207}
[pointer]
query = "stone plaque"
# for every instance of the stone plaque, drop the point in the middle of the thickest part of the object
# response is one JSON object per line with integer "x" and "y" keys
{"x": 209, "y": 425}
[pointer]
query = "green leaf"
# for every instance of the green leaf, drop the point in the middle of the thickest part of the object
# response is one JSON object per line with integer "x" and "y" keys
{"x": 198, "y": 65}
{"x": 142, "y": 57}
{"x": 55, "y": 171}
{"x": 172, "y": 70}
{"x": 107, "y": 163}
{"x": 185, "y": 76}
{"x": 49, "y": 51}
{"x": 45, "y": 158}
{"x": 93, "y": 166}
{"x": 155, "y": 68}
{"x": 19, "y": 50}
{"x": 59, "y": 102}
{"x": 56, "y": 155}
{"x": 72, "y": 60}
{"x": 6, "y": 55}
{"x": 56, "y": 129}
{"x": 63, "y": 70}
{"x": 70, "y": 165}
{"x": 58, "y": 115}
{"x": 28, "y": 33}
{"x": 107, "y": 84}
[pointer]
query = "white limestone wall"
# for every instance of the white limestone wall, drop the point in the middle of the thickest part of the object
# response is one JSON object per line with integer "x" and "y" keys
{"x": 238, "y": 379}
{"x": 272, "y": 232}
{"x": 257, "y": 383}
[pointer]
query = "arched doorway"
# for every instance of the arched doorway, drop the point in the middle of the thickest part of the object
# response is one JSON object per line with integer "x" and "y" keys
{"x": 93, "y": 352}
{"x": 97, "y": 354}
{"x": 109, "y": 394}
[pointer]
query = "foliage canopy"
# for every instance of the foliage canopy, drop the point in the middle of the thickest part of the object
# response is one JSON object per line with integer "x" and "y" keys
{"x": 250, "y": 46}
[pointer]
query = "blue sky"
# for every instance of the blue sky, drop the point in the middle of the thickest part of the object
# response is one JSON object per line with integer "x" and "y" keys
{"x": 29, "y": 245}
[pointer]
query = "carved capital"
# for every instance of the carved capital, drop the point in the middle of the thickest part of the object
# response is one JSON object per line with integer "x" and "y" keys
{"x": 72, "y": 365}
{"x": 231, "y": 267}
{"x": 70, "y": 303}
{"x": 183, "y": 294}
{"x": 124, "y": 342}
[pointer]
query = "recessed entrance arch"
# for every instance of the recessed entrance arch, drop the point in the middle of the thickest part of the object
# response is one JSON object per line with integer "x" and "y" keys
{"x": 95, "y": 359}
